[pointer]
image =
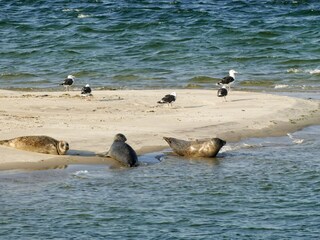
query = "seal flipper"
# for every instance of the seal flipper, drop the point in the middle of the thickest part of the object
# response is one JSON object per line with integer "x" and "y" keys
{"x": 103, "y": 154}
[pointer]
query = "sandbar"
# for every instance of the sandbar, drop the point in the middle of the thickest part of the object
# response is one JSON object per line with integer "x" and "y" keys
{"x": 90, "y": 123}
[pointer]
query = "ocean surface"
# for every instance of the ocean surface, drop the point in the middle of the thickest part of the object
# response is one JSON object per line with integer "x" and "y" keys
{"x": 264, "y": 188}
{"x": 273, "y": 44}
{"x": 255, "y": 189}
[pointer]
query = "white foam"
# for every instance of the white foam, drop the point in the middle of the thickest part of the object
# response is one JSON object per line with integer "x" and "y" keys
{"x": 315, "y": 71}
{"x": 83, "y": 15}
{"x": 237, "y": 146}
{"x": 294, "y": 70}
{"x": 70, "y": 10}
{"x": 295, "y": 140}
{"x": 281, "y": 86}
{"x": 81, "y": 172}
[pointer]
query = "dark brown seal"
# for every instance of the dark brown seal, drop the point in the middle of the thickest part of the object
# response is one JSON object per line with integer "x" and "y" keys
{"x": 122, "y": 152}
{"x": 40, "y": 144}
{"x": 197, "y": 148}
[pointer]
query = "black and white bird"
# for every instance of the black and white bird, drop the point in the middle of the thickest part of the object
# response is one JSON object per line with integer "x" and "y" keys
{"x": 228, "y": 80}
{"x": 169, "y": 98}
{"x": 222, "y": 92}
{"x": 86, "y": 90}
{"x": 68, "y": 82}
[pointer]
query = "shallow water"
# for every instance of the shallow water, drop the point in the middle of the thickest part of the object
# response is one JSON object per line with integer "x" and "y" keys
{"x": 157, "y": 44}
{"x": 255, "y": 189}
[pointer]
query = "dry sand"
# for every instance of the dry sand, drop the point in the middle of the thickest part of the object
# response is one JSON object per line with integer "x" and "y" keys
{"x": 89, "y": 123}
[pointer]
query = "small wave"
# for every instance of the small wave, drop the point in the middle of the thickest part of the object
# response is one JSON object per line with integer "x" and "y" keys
{"x": 238, "y": 146}
{"x": 295, "y": 140}
{"x": 83, "y": 15}
{"x": 278, "y": 86}
{"x": 203, "y": 79}
{"x": 71, "y": 10}
{"x": 294, "y": 70}
{"x": 315, "y": 71}
{"x": 80, "y": 173}
{"x": 258, "y": 83}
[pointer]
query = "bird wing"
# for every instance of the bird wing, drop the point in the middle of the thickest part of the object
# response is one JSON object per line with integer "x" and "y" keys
{"x": 168, "y": 98}
{"x": 227, "y": 80}
{"x": 68, "y": 81}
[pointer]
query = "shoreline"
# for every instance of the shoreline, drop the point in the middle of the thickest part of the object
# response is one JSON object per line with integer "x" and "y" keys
{"x": 89, "y": 124}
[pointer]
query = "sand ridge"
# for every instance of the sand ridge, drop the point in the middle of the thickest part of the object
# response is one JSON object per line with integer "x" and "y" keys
{"x": 89, "y": 123}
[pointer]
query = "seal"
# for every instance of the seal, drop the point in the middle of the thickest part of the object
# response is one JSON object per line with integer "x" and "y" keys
{"x": 122, "y": 152}
{"x": 40, "y": 144}
{"x": 197, "y": 148}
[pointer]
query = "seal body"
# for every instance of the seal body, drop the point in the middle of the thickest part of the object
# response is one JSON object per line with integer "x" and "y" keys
{"x": 40, "y": 144}
{"x": 122, "y": 152}
{"x": 197, "y": 148}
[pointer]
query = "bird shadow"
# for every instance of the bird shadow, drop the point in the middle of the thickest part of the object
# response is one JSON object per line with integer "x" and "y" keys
{"x": 240, "y": 100}
{"x": 112, "y": 99}
{"x": 194, "y": 106}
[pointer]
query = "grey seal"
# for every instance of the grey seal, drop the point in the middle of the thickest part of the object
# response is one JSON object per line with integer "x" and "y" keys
{"x": 197, "y": 148}
{"x": 122, "y": 152}
{"x": 40, "y": 144}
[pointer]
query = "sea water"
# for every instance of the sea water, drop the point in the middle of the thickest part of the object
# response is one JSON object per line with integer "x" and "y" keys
{"x": 255, "y": 189}
{"x": 160, "y": 44}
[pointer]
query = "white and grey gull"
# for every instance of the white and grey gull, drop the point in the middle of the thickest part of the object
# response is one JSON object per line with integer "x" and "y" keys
{"x": 169, "y": 98}
{"x": 86, "y": 90}
{"x": 222, "y": 92}
{"x": 228, "y": 80}
{"x": 68, "y": 82}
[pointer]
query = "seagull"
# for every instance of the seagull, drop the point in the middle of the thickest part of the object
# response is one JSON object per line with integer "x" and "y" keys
{"x": 68, "y": 82}
{"x": 228, "y": 79}
{"x": 222, "y": 92}
{"x": 169, "y": 98}
{"x": 86, "y": 90}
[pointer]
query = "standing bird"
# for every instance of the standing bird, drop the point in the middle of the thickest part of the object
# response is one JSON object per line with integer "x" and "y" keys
{"x": 169, "y": 98}
{"x": 222, "y": 92}
{"x": 228, "y": 79}
{"x": 86, "y": 90}
{"x": 68, "y": 82}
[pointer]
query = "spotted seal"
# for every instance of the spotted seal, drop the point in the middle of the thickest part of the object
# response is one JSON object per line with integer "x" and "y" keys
{"x": 40, "y": 144}
{"x": 122, "y": 152}
{"x": 197, "y": 148}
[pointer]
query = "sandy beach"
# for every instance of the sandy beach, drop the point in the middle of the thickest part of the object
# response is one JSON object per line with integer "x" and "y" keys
{"x": 89, "y": 123}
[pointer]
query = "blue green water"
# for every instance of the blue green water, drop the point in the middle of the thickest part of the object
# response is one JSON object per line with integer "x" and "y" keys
{"x": 256, "y": 189}
{"x": 160, "y": 44}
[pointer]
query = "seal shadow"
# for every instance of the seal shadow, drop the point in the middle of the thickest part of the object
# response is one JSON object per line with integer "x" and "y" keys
{"x": 209, "y": 161}
{"x": 83, "y": 153}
